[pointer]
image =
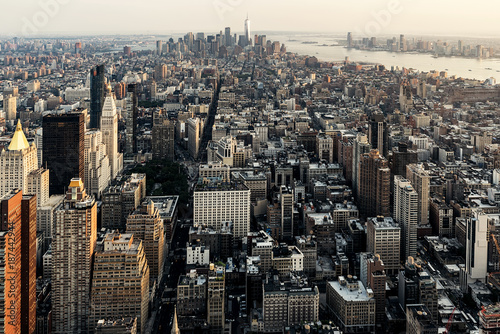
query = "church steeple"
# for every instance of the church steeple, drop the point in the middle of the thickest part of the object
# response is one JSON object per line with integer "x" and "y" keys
{"x": 19, "y": 141}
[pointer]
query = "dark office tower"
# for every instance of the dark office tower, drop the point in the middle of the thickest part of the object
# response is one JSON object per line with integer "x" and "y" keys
{"x": 78, "y": 48}
{"x": 374, "y": 185}
{"x": 127, "y": 50}
{"x": 228, "y": 37}
{"x": 247, "y": 32}
{"x": 159, "y": 45}
{"x": 349, "y": 40}
{"x": 377, "y": 133}
{"x": 63, "y": 149}
{"x": 162, "y": 140}
{"x": 360, "y": 147}
{"x": 97, "y": 91}
{"x": 18, "y": 240}
{"x": 402, "y": 43}
{"x": 131, "y": 120}
{"x": 402, "y": 158}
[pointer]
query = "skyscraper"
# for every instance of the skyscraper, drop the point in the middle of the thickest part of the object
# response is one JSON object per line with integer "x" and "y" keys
{"x": 159, "y": 45}
{"x": 376, "y": 280}
{"x": 360, "y": 147}
{"x": 18, "y": 269}
{"x": 384, "y": 238}
{"x": 286, "y": 201}
{"x": 420, "y": 180}
{"x": 10, "y": 106}
{"x": 17, "y": 162}
{"x": 28, "y": 263}
{"x": 406, "y": 213}
{"x": 73, "y": 247}
{"x": 377, "y": 133}
{"x": 247, "y": 31}
{"x": 476, "y": 250}
{"x": 229, "y": 38}
{"x": 120, "y": 260}
{"x": 402, "y": 43}
{"x": 146, "y": 224}
{"x": 215, "y": 297}
{"x": 64, "y": 148}
{"x": 97, "y": 169}
{"x": 162, "y": 140}
{"x": 349, "y": 40}
{"x": 109, "y": 129}
{"x": 131, "y": 120}
{"x": 401, "y": 158}
{"x": 193, "y": 127}
{"x": 374, "y": 185}
{"x": 97, "y": 91}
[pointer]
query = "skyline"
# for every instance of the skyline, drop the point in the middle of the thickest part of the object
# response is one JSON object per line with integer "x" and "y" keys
{"x": 378, "y": 18}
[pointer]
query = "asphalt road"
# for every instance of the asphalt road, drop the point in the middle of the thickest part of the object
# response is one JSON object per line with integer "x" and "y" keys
{"x": 175, "y": 265}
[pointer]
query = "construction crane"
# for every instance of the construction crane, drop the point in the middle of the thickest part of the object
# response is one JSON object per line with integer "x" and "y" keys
{"x": 450, "y": 319}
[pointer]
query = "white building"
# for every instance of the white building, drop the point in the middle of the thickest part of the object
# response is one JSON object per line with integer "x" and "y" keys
{"x": 38, "y": 183}
{"x": 33, "y": 86}
{"x": 17, "y": 162}
{"x": 406, "y": 213}
{"x": 10, "y": 107}
{"x": 109, "y": 129}
{"x": 476, "y": 250}
{"x": 47, "y": 264}
{"x": 45, "y": 217}
{"x": 197, "y": 254}
{"x": 216, "y": 203}
{"x": 97, "y": 169}
{"x": 76, "y": 94}
{"x": 420, "y": 180}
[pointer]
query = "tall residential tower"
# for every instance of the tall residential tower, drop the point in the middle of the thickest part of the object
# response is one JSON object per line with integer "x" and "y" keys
{"x": 73, "y": 247}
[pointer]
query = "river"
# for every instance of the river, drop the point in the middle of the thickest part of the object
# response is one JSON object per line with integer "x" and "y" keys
{"x": 471, "y": 68}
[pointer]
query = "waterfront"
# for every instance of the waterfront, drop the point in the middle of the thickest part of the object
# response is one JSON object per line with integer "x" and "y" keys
{"x": 472, "y": 68}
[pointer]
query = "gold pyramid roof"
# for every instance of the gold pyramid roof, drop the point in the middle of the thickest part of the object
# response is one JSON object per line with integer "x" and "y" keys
{"x": 19, "y": 141}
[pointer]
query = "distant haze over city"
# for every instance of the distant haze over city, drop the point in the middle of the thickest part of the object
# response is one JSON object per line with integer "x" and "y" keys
{"x": 362, "y": 17}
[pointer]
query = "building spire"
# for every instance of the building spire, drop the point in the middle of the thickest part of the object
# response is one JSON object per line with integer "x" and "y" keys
{"x": 19, "y": 141}
{"x": 175, "y": 326}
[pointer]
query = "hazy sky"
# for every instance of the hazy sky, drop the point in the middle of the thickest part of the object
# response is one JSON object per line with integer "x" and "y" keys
{"x": 367, "y": 17}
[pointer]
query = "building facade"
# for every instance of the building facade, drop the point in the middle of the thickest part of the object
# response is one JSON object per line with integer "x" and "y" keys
{"x": 63, "y": 149}
{"x": 374, "y": 185}
{"x": 109, "y": 129}
{"x": 216, "y": 203}
{"x": 146, "y": 224}
{"x": 352, "y": 306}
{"x": 120, "y": 261}
{"x": 18, "y": 267}
{"x": 384, "y": 239}
{"x": 73, "y": 247}
{"x": 17, "y": 162}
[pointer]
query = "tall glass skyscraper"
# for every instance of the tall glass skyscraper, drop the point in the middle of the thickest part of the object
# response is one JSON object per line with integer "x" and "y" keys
{"x": 63, "y": 149}
{"x": 247, "y": 30}
{"x": 96, "y": 95}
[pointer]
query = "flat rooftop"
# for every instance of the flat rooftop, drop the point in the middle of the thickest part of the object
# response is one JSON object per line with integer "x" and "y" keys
{"x": 351, "y": 295}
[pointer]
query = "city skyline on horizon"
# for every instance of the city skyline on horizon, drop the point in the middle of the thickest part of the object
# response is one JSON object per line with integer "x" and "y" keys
{"x": 378, "y": 18}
